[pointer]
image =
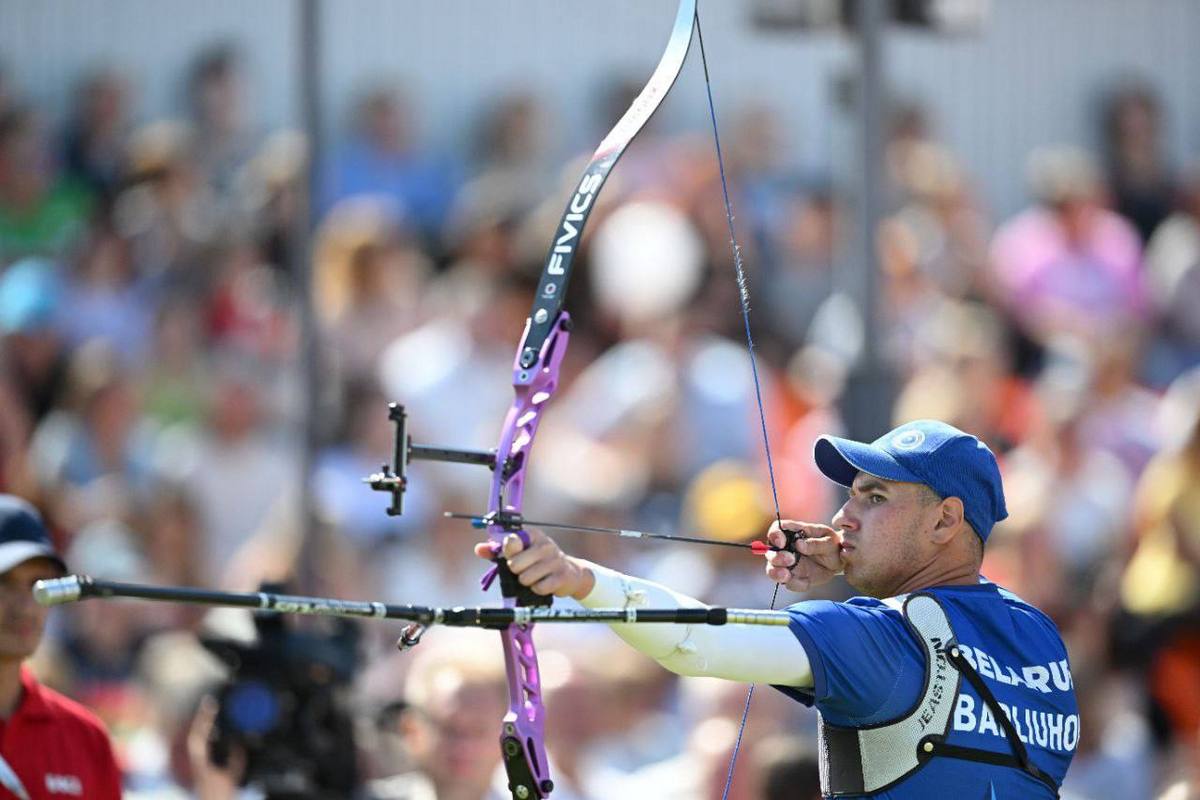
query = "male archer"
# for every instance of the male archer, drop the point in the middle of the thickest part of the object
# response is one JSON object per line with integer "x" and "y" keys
{"x": 50, "y": 746}
{"x": 936, "y": 682}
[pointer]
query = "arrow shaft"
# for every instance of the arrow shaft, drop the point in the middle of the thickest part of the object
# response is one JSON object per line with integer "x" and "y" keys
{"x": 623, "y": 532}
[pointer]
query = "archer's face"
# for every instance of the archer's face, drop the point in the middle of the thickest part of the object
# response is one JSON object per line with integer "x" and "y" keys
{"x": 883, "y": 526}
{"x": 21, "y": 618}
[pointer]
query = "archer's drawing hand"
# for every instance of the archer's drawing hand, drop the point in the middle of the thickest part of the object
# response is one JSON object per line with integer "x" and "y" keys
{"x": 543, "y": 566}
{"x": 815, "y": 557}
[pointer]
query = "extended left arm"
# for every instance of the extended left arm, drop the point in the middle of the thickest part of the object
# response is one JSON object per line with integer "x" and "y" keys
{"x": 747, "y": 653}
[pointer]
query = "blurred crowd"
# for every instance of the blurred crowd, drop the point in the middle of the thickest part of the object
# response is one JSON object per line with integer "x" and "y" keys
{"x": 151, "y": 406}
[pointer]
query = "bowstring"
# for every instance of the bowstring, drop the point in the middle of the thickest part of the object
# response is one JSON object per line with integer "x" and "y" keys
{"x": 744, "y": 296}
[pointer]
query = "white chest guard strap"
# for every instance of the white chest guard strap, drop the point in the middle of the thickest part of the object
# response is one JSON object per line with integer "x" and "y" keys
{"x": 857, "y": 761}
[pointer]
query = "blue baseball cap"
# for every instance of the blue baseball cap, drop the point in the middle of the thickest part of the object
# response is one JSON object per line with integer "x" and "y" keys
{"x": 947, "y": 460}
{"x": 23, "y": 535}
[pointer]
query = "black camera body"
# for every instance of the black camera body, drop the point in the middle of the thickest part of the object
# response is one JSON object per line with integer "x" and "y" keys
{"x": 285, "y": 707}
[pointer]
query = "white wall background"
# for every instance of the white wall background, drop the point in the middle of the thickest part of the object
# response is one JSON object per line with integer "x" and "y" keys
{"x": 1030, "y": 77}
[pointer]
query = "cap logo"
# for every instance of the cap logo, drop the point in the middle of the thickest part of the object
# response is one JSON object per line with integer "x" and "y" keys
{"x": 909, "y": 440}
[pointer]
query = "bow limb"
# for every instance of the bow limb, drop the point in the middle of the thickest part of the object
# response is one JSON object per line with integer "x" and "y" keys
{"x": 535, "y": 379}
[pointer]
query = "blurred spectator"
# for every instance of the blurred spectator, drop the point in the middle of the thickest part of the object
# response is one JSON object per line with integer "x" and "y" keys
{"x": 96, "y": 137}
{"x": 630, "y": 719}
{"x": 485, "y": 243}
{"x": 104, "y": 300}
{"x": 815, "y": 379}
{"x": 369, "y": 283}
{"x": 934, "y": 247}
{"x": 803, "y": 254}
{"x": 1173, "y": 277}
{"x": 34, "y": 353}
{"x": 1118, "y": 406}
{"x": 501, "y": 219}
{"x": 699, "y": 771}
{"x": 174, "y": 376}
{"x": 452, "y": 699}
{"x": 940, "y": 231}
{"x": 381, "y": 157}
{"x": 909, "y": 131}
{"x": 40, "y": 213}
{"x": 1074, "y": 495}
{"x": 1161, "y": 584}
{"x": 234, "y": 465}
{"x": 963, "y": 374}
{"x": 250, "y": 313}
{"x": 1068, "y": 265}
{"x": 510, "y": 149}
{"x": 767, "y": 190}
{"x": 1115, "y": 757}
{"x": 16, "y": 473}
{"x": 1139, "y": 175}
{"x": 167, "y": 212}
{"x": 272, "y": 190}
{"x": 174, "y": 671}
{"x": 102, "y": 640}
{"x": 578, "y": 714}
{"x": 222, "y": 140}
{"x": 95, "y": 453}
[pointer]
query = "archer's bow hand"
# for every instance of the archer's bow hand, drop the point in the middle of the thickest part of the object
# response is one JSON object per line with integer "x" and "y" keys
{"x": 543, "y": 566}
{"x": 813, "y": 558}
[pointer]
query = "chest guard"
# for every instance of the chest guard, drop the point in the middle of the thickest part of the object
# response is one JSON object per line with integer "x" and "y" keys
{"x": 863, "y": 761}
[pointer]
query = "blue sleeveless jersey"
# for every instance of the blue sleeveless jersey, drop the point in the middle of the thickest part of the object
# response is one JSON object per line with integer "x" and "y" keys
{"x": 869, "y": 668}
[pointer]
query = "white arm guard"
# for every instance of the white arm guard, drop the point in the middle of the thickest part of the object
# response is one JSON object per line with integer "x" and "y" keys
{"x": 746, "y": 653}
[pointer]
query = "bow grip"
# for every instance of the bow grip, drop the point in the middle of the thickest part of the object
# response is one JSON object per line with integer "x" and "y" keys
{"x": 511, "y": 586}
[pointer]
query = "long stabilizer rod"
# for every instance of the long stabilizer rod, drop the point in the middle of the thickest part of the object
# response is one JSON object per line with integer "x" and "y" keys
{"x": 81, "y": 587}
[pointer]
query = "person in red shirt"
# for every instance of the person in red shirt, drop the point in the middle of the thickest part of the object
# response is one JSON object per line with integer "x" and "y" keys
{"x": 51, "y": 748}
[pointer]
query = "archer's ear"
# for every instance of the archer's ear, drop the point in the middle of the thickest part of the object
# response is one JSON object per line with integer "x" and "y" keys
{"x": 949, "y": 521}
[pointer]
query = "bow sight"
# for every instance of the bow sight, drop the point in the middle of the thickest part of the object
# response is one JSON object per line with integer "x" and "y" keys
{"x": 393, "y": 478}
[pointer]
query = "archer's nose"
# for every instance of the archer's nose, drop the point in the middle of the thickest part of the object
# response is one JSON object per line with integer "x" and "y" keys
{"x": 844, "y": 519}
